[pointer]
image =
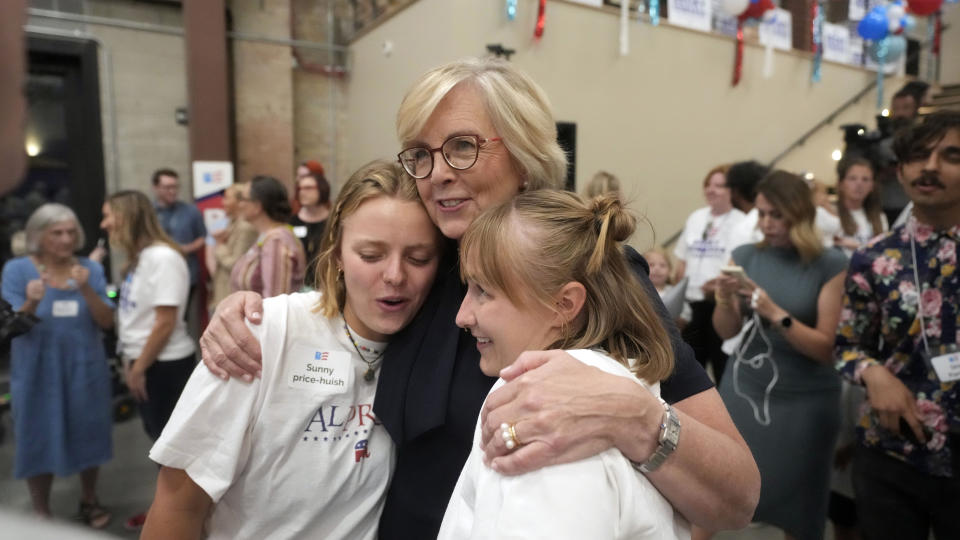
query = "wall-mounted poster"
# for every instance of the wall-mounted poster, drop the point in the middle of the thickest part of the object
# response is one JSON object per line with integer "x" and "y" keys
{"x": 836, "y": 43}
{"x": 209, "y": 177}
{"x": 696, "y": 14}
{"x": 777, "y": 30}
{"x": 857, "y": 10}
{"x": 856, "y": 50}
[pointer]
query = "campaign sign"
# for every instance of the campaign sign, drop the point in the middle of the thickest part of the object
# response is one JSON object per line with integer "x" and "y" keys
{"x": 696, "y": 14}
{"x": 777, "y": 30}
{"x": 836, "y": 43}
{"x": 856, "y": 49}
{"x": 857, "y": 10}
{"x": 209, "y": 177}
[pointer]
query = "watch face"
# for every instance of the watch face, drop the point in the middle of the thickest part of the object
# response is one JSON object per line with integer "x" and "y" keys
{"x": 786, "y": 322}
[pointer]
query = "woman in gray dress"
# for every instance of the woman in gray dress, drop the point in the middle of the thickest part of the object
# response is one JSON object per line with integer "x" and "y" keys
{"x": 780, "y": 386}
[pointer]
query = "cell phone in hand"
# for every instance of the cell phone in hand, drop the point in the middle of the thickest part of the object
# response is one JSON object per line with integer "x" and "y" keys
{"x": 734, "y": 271}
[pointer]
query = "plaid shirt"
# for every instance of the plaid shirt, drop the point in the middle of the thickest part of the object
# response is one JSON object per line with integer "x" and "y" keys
{"x": 879, "y": 325}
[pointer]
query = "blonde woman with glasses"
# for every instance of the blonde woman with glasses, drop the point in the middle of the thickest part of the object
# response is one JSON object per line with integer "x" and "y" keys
{"x": 473, "y": 134}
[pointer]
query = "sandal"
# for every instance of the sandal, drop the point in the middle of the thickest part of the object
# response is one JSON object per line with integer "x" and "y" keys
{"x": 94, "y": 515}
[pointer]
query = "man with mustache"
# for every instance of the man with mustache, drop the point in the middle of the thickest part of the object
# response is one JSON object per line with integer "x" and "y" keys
{"x": 898, "y": 336}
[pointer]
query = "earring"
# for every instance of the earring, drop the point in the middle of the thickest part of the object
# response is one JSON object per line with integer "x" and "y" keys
{"x": 524, "y": 186}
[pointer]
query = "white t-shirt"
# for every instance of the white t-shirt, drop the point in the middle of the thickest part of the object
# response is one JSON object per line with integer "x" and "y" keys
{"x": 297, "y": 453}
{"x": 865, "y": 231}
{"x": 161, "y": 278}
{"x": 602, "y": 496}
{"x": 828, "y": 225}
{"x": 705, "y": 246}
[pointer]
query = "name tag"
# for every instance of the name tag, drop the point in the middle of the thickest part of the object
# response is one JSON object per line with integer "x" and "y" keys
{"x": 66, "y": 308}
{"x": 947, "y": 366}
{"x": 300, "y": 231}
{"x": 323, "y": 372}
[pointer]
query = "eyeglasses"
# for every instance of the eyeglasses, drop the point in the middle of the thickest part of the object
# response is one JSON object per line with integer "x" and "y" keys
{"x": 460, "y": 152}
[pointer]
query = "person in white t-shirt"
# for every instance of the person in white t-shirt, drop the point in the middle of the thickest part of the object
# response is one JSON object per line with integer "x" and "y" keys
{"x": 702, "y": 250}
{"x": 561, "y": 281}
{"x": 858, "y": 204}
{"x": 155, "y": 349}
{"x": 298, "y": 452}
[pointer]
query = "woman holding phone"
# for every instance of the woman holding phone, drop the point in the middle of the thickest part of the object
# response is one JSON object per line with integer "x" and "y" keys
{"x": 780, "y": 385}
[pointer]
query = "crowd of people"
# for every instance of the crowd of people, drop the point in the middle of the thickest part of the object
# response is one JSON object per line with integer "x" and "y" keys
{"x": 455, "y": 348}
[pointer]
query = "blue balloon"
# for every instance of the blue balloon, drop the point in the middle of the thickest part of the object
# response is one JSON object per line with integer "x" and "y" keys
{"x": 908, "y": 23}
{"x": 874, "y": 26}
{"x": 896, "y": 46}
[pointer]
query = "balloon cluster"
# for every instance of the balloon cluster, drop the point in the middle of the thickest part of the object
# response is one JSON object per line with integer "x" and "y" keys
{"x": 885, "y": 24}
{"x": 743, "y": 10}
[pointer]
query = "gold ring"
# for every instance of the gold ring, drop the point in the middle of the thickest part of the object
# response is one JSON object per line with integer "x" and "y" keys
{"x": 509, "y": 434}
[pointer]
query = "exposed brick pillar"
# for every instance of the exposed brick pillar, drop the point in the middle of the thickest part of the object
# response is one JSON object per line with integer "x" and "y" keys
{"x": 207, "y": 87}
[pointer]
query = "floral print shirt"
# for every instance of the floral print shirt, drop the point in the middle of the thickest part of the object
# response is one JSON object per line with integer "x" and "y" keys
{"x": 879, "y": 325}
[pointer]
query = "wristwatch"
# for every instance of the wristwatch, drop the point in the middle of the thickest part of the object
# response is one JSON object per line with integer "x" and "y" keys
{"x": 786, "y": 322}
{"x": 667, "y": 443}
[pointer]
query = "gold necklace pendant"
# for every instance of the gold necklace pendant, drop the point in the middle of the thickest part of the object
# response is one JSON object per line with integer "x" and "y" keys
{"x": 369, "y": 376}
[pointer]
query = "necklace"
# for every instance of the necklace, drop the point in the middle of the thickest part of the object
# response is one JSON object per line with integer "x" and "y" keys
{"x": 368, "y": 375}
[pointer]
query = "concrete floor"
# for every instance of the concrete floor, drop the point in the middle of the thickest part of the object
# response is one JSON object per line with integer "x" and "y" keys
{"x": 125, "y": 487}
{"x": 127, "y": 484}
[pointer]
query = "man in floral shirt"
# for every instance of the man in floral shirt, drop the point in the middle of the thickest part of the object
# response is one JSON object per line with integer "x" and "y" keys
{"x": 897, "y": 336}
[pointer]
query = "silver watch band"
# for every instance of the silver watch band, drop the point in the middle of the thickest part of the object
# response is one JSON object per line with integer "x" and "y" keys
{"x": 669, "y": 436}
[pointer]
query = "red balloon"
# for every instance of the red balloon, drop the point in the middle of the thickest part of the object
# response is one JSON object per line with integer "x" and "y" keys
{"x": 756, "y": 9}
{"x": 924, "y": 7}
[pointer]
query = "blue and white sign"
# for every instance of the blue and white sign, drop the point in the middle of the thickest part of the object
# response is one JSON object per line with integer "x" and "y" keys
{"x": 210, "y": 177}
{"x": 856, "y": 50}
{"x": 836, "y": 43}
{"x": 776, "y": 29}
{"x": 696, "y": 14}
{"x": 857, "y": 10}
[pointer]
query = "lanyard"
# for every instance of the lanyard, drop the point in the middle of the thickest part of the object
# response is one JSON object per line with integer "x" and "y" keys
{"x": 911, "y": 229}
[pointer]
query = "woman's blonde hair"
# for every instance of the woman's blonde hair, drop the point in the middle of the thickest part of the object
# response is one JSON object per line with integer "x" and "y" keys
{"x": 533, "y": 245}
{"x": 380, "y": 178}
{"x": 602, "y": 183}
{"x": 46, "y": 215}
{"x": 789, "y": 194}
{"x": 671, "y": 262}
{"x": 136, "y": 226}
{"x": 517, "y": 106}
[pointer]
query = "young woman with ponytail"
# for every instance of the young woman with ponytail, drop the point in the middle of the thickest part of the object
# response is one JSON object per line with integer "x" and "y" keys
{"x": 561, "y": 281}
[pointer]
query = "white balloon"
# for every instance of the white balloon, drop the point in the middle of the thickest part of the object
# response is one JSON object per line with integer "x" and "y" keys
{"x": 893, "y": 25}
{"x": 734, "y": 7}
{"x": 895, "y": 12}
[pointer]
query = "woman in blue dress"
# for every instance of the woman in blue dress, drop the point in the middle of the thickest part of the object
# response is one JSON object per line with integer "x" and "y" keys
{"x": 60, "y": 382}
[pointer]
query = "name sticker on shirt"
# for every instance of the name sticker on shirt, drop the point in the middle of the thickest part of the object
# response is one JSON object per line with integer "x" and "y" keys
{"x": 947, "y": 366}
{"x": 66, "y": 308}
{"x": 300, "y": 231}
{"x": 325, "y": 372}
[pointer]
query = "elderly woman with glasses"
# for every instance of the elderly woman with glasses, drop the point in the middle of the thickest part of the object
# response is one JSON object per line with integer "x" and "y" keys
{"x": 475, "y": 133}
{"x": 60, "y": 381}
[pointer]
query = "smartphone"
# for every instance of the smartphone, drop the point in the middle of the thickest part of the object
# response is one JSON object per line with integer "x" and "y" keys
{"x": 734, "y": 271}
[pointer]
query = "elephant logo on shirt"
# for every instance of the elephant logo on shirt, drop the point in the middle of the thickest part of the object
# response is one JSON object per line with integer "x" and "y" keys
{"x": 360, "y": 451}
